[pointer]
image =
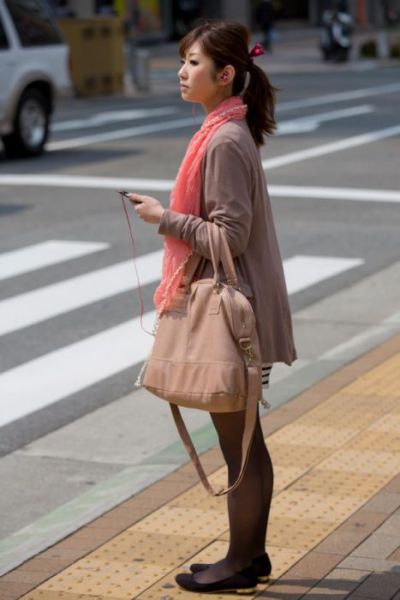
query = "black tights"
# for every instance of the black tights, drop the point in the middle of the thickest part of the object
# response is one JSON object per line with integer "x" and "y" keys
{"x": 249, "y": 504}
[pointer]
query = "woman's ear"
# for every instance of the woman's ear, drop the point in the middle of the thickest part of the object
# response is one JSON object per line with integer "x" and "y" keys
{"x": 227, "y": 75}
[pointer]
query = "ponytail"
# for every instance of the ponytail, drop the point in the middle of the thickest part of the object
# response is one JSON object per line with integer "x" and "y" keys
{"x": 259, "y": 96}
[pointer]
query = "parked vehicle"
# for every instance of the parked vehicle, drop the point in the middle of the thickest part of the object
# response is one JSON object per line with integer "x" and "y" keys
{"x": 337, "y": 28}
{"x": 34, "y": 69}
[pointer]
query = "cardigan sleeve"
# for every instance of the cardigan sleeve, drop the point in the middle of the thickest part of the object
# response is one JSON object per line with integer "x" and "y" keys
{"x": 227, "y": 197}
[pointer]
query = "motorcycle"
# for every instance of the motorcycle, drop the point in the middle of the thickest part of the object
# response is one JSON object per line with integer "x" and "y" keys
{"x": 337, "y": 28}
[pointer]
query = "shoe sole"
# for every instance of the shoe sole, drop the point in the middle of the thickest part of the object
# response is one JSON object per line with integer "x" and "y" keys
{"x": 227, "y": 591}
{"x": 249, "y": 590}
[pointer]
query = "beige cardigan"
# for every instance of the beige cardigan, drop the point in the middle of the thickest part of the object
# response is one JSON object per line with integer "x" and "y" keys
{"x": 234, "y": 195}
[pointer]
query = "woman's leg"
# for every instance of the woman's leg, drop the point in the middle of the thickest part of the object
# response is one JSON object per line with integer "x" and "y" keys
{"x": 249, "y": 504}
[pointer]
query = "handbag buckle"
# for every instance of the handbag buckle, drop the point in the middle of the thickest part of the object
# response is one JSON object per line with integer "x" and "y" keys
{"x": 245, "y": 345}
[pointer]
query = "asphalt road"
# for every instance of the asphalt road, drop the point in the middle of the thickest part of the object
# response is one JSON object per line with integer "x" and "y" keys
{"x": 71, "y": 342}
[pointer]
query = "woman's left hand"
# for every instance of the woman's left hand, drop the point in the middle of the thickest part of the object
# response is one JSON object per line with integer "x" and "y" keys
{"x": 149, "y": 210}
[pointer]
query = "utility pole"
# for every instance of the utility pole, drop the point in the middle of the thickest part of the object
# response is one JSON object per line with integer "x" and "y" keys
{"x": 362, "y": 13}
{"x": 382, "y": 41}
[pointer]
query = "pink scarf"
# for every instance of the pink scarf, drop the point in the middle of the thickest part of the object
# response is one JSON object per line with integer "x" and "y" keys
{"x": 185, "y": 197}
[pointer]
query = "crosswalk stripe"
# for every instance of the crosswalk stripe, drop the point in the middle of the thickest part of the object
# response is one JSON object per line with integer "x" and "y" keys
{"x": 312, "y": 122}
{"x": 58, "y": 374}
{"x": 302, "y": 272}
{"x": 359, "y": 94}
{"x": 330, "y": 147}
{"x": 78, "y": 181}
{"x": 127, "y": 132}
{"x": 113, "y": 116}
{"x": 52, "y": 300}
{"x": 44, "y": 254}
{"x": 165, "y": 185}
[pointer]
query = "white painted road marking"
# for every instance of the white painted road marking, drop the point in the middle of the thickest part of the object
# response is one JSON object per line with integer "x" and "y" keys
{"x": 331, "y": 193}
{"x": 195, "y": 121}
{"x": 268, "y": 164}
{"x": 312, "y": 122}
{"x": 359, "y": 94}
{"x": 302, "y": 272}
{"x": 114, "y": 116}
{"x": 165, "y": 185}
{"x": 52, "y": 300}
{"x": 56, "y": 375}
{"x": 120, "y": 134}
{"x": 76, "y": 181}
{"x": 44, "y": 254}
{"x": 330, "y": 148}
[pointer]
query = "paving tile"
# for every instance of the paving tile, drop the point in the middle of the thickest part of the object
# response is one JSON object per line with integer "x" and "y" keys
{"x": 379, "y": 585}
{"x": 370, "y": 564}
{"x": 9, "y": 596}
{"x": 292, "y": 588}
{"x": 337, "y": 584}
{"x": 355, "y": 596}
{"x": 364, "y": 520}
{"x": 393, "y": 485}
{"x": 57, "y": 551}
{"x": 396, "y": 554}
{"x": 324, "y": 594}
{"x": 42, "y": 565}
{"x": 384, "y": 502}
{"x": 60, "y": 595}
{"x": 342, "y": 542}
{"x": 19, "y": 576}
{"x": 296, "y": 533}
{"x": 14, "y": 588}
{"x": 83, "y": 545}
{"x": 314, "y": 565}
{"x": 391, "y": 526}
{"x": 377, "y": 546}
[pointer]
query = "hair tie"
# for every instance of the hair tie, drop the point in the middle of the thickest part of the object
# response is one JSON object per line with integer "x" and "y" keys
{"x": 257, "y": 50}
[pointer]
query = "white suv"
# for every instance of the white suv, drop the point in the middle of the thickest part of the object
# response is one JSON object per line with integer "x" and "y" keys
{"x": 33, "y": 70}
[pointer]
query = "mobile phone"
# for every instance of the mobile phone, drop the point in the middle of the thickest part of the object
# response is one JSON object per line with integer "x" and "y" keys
{"x": 126, "y": 194}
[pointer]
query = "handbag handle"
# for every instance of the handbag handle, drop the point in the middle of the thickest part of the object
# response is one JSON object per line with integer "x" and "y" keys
{"x": 217, "y": 240}
{"x": 220, "y": 253}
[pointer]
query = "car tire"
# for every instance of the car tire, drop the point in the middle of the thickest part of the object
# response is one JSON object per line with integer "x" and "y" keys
{"x": 31, "y": 125}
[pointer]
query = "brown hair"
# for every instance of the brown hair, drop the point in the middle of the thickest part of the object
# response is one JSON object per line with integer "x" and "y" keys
{"x": 226, "y": 43}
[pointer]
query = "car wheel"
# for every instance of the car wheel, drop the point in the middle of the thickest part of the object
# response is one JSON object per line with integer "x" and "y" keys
{"x": 31, "y": 126}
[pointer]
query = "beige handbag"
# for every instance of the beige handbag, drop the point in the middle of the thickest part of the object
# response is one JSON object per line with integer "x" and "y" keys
{"x": 206, "y": 352}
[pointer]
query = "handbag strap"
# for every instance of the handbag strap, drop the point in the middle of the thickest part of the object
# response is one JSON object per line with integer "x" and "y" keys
{"x": 248, "y": 433}
{"x": 220, "y": 252}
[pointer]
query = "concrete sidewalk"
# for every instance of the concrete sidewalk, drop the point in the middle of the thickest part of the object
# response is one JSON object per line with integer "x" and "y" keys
{"x": 334, "y": 525}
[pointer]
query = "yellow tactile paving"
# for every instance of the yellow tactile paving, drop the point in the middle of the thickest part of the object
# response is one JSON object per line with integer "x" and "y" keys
{"x": 290, "y": 533}
{"x": 283, "y": 559}
{"x": 328, "y": 463}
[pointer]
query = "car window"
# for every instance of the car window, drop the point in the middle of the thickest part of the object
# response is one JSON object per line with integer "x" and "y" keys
{"x": 3, "y": 38}
{"x": 33, "y": 22}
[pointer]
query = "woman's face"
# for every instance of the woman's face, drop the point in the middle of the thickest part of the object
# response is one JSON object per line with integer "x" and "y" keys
{"x": 198, "y": 78}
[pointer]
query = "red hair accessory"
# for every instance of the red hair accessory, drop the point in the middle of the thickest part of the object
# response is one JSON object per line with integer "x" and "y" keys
{"x": 257, "y": 50}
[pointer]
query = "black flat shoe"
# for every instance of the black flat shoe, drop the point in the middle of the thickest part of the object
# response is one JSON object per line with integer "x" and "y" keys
{"x": 244, "y": 582}
{"x": 262, "y": 567}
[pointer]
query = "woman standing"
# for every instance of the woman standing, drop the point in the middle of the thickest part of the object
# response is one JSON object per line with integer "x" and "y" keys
{"x": 221, "y": 179}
